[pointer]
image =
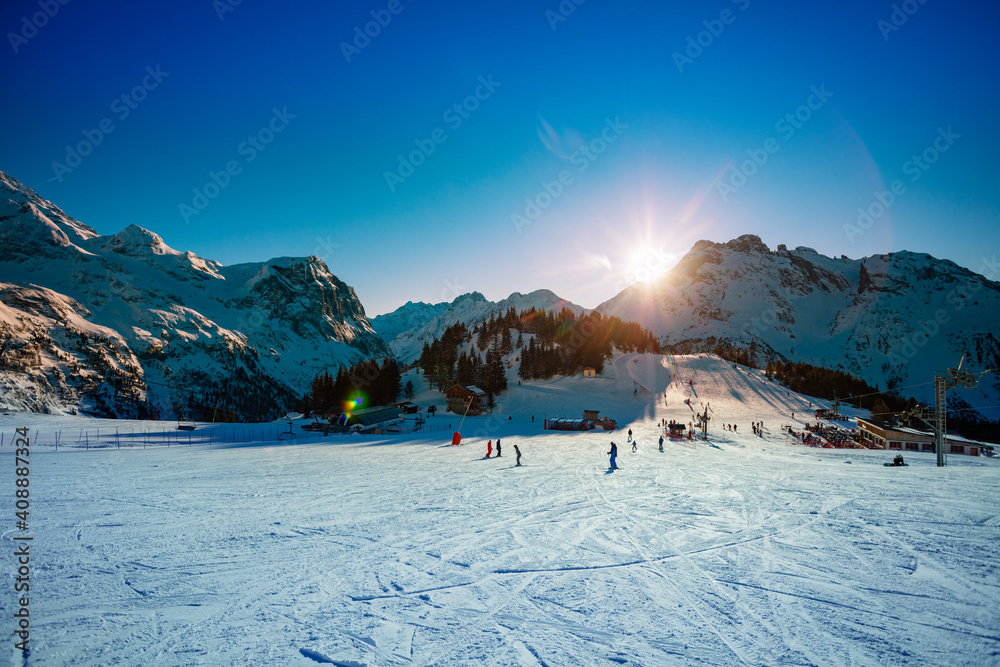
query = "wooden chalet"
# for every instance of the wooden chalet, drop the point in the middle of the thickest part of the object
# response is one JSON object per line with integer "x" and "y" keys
{"x": 462, "y": 398}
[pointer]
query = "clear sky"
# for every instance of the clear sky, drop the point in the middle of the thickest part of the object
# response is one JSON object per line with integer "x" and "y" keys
{"x": 667, "y": 123}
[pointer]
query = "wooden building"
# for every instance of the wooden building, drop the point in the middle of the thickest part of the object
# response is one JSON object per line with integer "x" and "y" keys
{"x": 462, "y": 398}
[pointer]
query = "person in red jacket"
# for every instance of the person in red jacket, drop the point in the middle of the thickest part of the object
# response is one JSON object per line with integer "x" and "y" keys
{"x": 489, "y": 448}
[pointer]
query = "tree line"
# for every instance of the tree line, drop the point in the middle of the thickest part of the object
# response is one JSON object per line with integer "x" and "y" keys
{"x": 559, "y": 343}
{"x": 372, "y": 382}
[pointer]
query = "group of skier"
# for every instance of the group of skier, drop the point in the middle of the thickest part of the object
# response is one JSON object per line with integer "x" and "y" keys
{"x": 489, "y": 451}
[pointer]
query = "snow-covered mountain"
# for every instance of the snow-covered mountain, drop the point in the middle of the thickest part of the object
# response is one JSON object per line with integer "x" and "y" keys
{"x": 125, "y": 325}
{"x": 891, "y": 319}
{"x": 407, "y": 328}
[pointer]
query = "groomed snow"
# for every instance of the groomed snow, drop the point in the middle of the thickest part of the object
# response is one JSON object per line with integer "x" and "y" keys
{"x": 400, "y": 550}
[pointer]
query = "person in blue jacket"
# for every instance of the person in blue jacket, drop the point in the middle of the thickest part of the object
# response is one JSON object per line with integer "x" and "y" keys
{"x": 613, "y": 453}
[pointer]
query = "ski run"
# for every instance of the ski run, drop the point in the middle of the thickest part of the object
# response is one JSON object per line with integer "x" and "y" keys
{"x": 402, "y": 549}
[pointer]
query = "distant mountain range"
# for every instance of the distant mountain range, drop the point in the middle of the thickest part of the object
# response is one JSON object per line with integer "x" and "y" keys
{"x": 124, "y": 325}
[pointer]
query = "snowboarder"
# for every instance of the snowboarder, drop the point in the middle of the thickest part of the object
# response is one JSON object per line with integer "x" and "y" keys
{"x": 633, "y": 446}
{"x": 898, "y": 461}
{"x": 613, "y": 453}
{"x": 489, "y": 448}
{"x": 661, "y": 443}
{"x": 734, "y": 428}
{"x": 630, "y": 435}
{"x": 518, "y": 453}
{"x": 498, "y": 447}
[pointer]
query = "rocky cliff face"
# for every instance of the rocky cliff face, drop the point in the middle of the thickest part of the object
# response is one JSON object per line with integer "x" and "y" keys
{"x": 891, "y": 319}
{"x": 125, "y": 325}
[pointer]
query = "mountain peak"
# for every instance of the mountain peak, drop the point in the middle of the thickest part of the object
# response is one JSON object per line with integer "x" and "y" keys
{"x": 138, "y": 241}
{"x": 748, "y": 243}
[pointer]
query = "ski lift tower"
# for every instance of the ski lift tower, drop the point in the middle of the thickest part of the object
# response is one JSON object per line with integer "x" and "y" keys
{"x": 703, "y": 418}
{"x": 952, "y": 378}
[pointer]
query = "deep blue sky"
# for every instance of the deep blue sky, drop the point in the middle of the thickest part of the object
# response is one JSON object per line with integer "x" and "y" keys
{"x": 319, "y": 187}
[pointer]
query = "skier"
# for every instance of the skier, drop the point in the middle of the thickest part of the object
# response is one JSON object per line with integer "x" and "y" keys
{"x": 518, "y": 453}
{"x": 613, "y": 453}
{"x": 661, "y": 443}
{"x": 633, "y": 446}
{"x": 498, "y": 447}
{"x": 630, "y": 435}
{"x": 489, "y": 448}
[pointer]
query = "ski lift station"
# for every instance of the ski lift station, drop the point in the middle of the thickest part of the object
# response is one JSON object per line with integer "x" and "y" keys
{"x": 588, "y": 422}
{"x": 368, "y": 420}
{"x": 875, "y": 433}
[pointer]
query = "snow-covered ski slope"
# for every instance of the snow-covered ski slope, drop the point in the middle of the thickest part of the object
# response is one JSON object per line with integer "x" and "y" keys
{"x": 645, "y": 386}
{"x": 402, "y": 550}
